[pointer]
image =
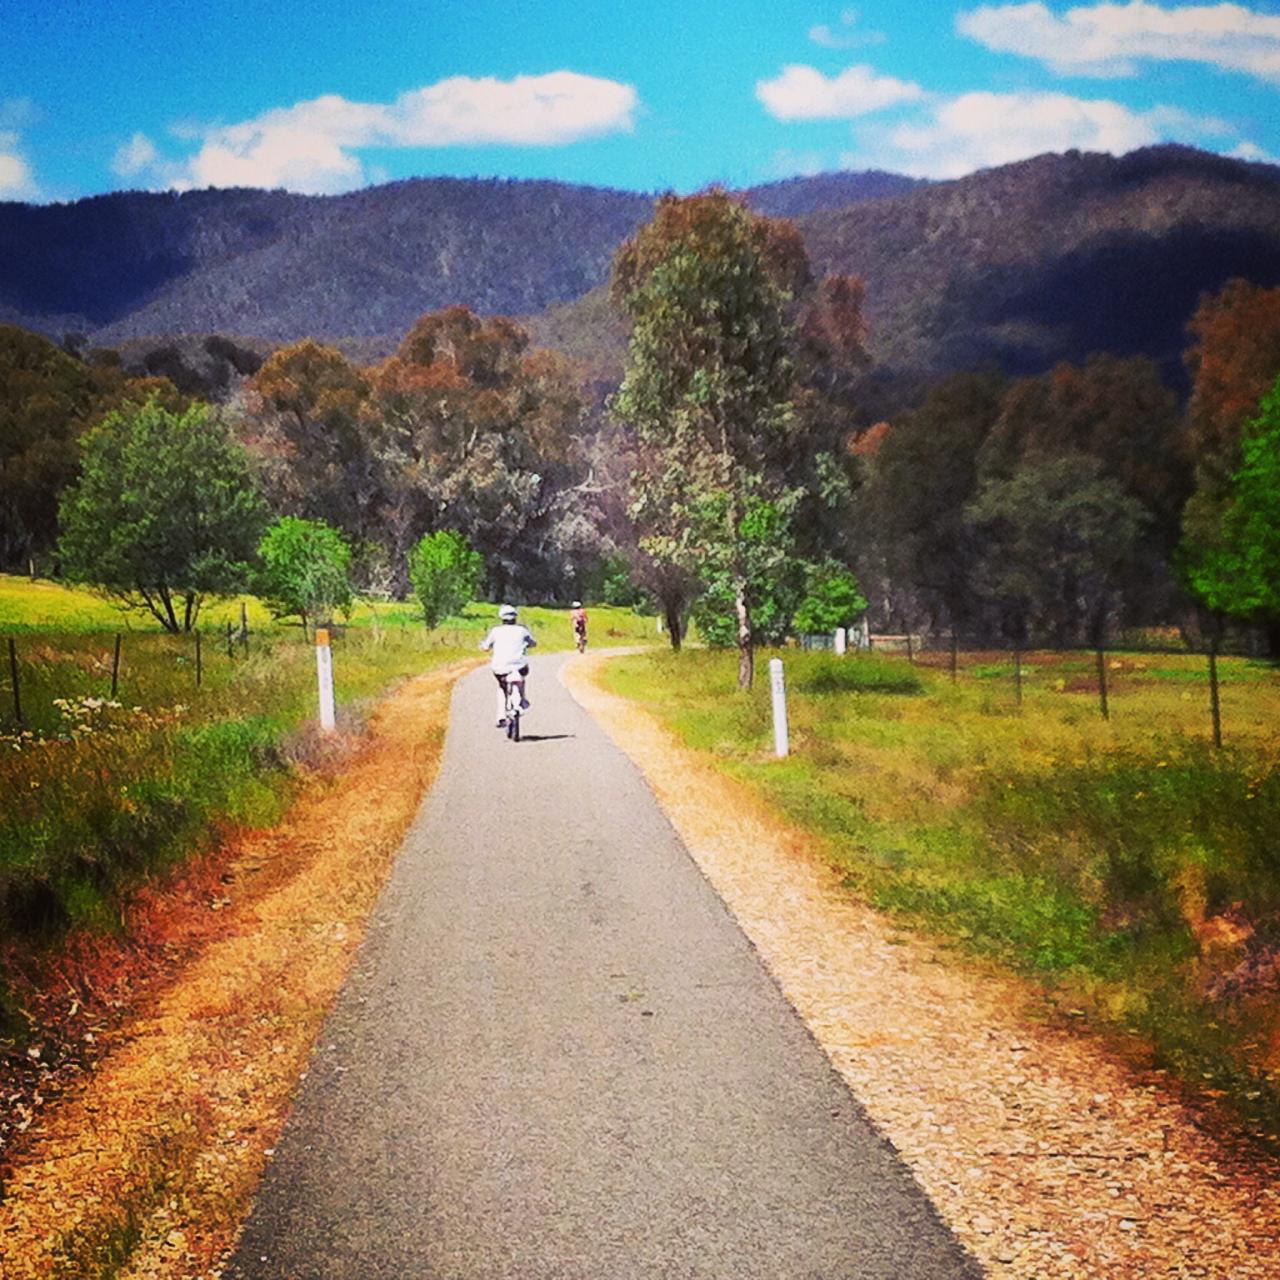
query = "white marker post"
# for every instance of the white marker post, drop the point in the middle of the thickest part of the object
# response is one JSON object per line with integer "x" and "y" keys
{"x": 324, "y": 674}
{"x": 781, "y": 745}
{"x": 842, "y": 642}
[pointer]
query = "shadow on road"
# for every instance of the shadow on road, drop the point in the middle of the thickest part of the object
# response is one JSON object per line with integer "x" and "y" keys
{"x": 545, "y": 737}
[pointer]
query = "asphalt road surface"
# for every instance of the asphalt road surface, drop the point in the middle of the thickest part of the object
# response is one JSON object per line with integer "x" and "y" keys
{"x": 558, "y": 1056}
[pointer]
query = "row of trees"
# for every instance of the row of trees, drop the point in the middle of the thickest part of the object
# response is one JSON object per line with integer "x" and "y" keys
{"x": 731, "y": 474}
{"x": 463, "y": 428}
{"x": 1057, "y": 506}
{"x": 1051, "y": 507}
{"x": 167, "y": 512}
{"x": 48, "y": 399}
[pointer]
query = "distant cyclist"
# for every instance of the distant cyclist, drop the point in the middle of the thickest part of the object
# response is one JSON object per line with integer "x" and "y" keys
{"x": 508, "y": 644}
{"x": 579, "y": 617}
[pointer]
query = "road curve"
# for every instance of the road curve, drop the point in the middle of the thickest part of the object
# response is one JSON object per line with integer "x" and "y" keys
{"x": 557, "y": 1056}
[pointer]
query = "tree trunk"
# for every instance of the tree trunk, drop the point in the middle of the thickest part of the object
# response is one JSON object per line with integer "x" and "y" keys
{"x": 746, "y": 651}
{"x": 1272, "y": 632}
{"x": 671, "y": 612}
{"x": 169, "y": 618}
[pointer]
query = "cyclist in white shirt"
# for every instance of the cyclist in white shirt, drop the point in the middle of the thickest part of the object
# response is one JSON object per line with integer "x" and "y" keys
{"x": 508, "y": 644}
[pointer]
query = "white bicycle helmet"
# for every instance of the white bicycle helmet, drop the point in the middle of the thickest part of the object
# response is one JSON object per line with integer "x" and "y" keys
{"x": 507, "y": 613}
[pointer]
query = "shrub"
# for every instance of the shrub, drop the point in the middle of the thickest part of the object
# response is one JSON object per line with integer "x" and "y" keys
{"x": 832, "y": 599}
{"x": 446, "y": 573}
{"x": 306, "y": 569}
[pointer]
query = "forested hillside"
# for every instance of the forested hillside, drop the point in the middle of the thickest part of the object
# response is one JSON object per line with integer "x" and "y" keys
{"x": 1045, "y": 260}
{"x": 276, "y": 266}
{"x": 1050, "y": 259}
{"x": 1054, "y": 258}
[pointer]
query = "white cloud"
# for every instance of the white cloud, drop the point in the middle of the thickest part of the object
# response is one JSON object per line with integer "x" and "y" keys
{"x": 17, "y": 181}
{"x": 979, "y": 130}
{"x": 528, "y": 111}
{"x": 804, "y": 93}
{"x": 135, "y": 156}
{"x": 1251, "y": 151}
{"x": 1111, "y": 39}
{"x": 844, "y": 34}
{"x": 310, "y": 146}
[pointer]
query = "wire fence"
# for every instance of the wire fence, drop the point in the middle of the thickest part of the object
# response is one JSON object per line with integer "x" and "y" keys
{"x": 41, "y": 669}
{"x": 1096, "y": 670}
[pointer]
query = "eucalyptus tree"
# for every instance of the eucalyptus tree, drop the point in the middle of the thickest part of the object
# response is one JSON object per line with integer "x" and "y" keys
{"x": 709, "y": 391}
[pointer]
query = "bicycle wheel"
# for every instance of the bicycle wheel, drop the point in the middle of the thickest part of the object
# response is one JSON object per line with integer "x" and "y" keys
{"x": 513, "y": 726}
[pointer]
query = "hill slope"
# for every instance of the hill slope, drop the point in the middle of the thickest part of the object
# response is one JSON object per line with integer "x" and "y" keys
{"x": 1049, "y": 259}
{"x": 1055, "y": 257}
{"x": 281, "y": 266}
{"x": 1027, "y": 264}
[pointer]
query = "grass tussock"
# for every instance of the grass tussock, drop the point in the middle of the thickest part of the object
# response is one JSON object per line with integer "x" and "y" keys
{"x": 822, "y": 673}
{"x": 1123, "y": 863}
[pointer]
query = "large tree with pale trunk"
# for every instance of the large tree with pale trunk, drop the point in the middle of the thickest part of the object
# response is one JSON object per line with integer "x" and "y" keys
{"x": 709, "y": 389}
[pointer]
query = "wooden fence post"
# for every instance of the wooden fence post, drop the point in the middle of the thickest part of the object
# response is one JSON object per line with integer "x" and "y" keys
{"x": 1214, "y": 705}
{"x": 955, "y": 654}
{"x": 199, "y": 662}
{"x": 1017, "y": 674}
{"x": 115, "y": 668}
{"x": 1102, "y": 684}
{"x": 17, "y": 688}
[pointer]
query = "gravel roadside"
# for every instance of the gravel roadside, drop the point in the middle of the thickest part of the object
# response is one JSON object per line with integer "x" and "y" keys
{"x": 1043, "y": 1153}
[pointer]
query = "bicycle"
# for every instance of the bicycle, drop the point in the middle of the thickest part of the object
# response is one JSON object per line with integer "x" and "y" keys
{"x": 513, "y": 689}
{"x": 580, "y": 635}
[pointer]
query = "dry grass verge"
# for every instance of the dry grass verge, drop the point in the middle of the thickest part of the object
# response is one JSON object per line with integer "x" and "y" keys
{"x": 1046, "y": 1154}
{"x": 148, "y": 1169}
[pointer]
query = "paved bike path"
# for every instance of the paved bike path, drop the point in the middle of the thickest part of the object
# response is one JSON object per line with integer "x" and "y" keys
{"x": 557, "y": 1056}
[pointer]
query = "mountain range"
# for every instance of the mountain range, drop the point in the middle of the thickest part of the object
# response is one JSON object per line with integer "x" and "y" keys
{"x": 1024, "y": 265}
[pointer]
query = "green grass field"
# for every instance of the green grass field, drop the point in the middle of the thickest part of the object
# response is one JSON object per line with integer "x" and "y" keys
{"x": 99, "y": 792}
{"x": 39, "y": 606}
{"x": 1124, "y": 864}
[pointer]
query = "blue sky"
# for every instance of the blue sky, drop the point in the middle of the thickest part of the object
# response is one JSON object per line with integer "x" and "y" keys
{"x": 319, "y": 96}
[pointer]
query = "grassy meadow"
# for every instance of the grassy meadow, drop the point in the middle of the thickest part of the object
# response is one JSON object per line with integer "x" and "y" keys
{"x": 98, "y": 792}
{"x": 1124, "y": 863}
